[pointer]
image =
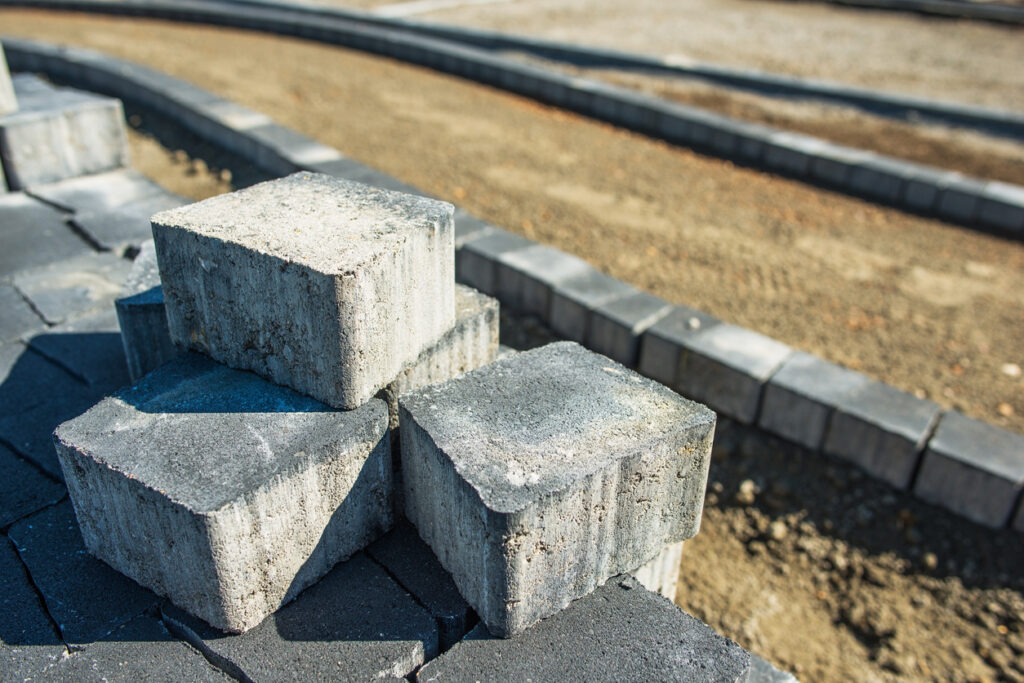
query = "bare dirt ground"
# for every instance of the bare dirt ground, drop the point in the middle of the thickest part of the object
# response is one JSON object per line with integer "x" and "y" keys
{"x": 825, "y": 572}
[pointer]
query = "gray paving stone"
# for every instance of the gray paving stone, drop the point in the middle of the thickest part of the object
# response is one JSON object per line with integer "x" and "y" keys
{"x": 833, "y": 164}
{"x": 61, "y": 134}
{"x": 974, "y": 469}
{"x": 142, "y": 318}
{"x": 762, "y": 671}
{"x": 572, "y": 301}
{"x": 618, "y": 633}
{"x": 27, "y": 83}
{"x": 86, "y": 598}
{"x": 23, "y": 488}
{"x": 476, "y": 262}
{"x": 959, "y": 197}
{"x": 223, "y": 492}
{"x": 35, "y": 397}
{"x": 8, "y": 101}
{"x": 526, "y": 276}
{"x": 1002, "y": 207}
{"x": 89, "y": 347}
{"x": 97, "y": 192}
{"x": 34, "y": 234}
{"x": 922, "y": 191}
{"x": 469, "y": 227}
{"x": 18, "y": 318}
{"x": 726, "y": 367}
{"x": 880, "y": 178}
{"x": 355, "y": 624}
{"x": 616, "y": 326}
{"x": 800, "y": 398}
{"x": 142, "y": 649}
{"x": 82, "y": 284}
{"x": 524, "y": 533}
{"x": 410, "y": 562}
{"x": 881, "y": 429}
{"x": 791, "y": 153}
{"x": 125, "y": 226}
{"x": 29, "y": 643}
{"x": 317, "y": 283}
{"x": 662, "y": 343}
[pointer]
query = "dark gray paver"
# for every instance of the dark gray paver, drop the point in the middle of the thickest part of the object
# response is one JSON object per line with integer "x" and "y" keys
{"x": 410, "y": 561}
{"x": 537, "y": 477}
{"x": 620, "y": 632}
{"x": 18, "y": 317}
{"x": 476, "y": 262}
{"x": 86, "y": 598}
{"x": 881, "y": 429}
{"x": 23, "y": 488}
{"x": 1018, "y": 522}
{"x": 89, "y": 347}
{"x": 727, "y": 367}
{"x": 34, "y": 234}
{"x": 1002, "y": 207}
{"x": 124, "y": 226}
{"x": 573, "y": 300}
{"x": 29, "y": 643}
{"x": 801, "y": 396}
{"x": 616, "y": 326}
{"x": 140, "y": 650}
{"x": 97, "y": 192}
{"x": 662, "y": 343}
{"x": 525, "y": 277}
{"x": 35, "y": 397}
{"x": 974, "y": 469}
{"x": 63, "y": 289}
{"x": 355, "y": 624}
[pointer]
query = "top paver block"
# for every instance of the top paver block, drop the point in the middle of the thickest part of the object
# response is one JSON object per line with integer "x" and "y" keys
{"x": 321, "y": 284}
{"x": 537, "y": 477}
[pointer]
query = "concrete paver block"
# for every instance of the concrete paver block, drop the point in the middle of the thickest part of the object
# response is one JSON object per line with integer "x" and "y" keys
{"x": 29, "y": 645}
{"x": 522, "y": 532}
{"x": 631, "y": 647}
{"x": 469, "y": 227}
{"x": 800, "y": 398}
{"x": 573, "y": 300}
{"x": 125, "y": 226}
{"x": 34, "y": 234}
{"x": 86, "y": 598}
{"x": 727, "y": 367}
{"x": 355, "y": 624}
{"x": 882, "y": 430}
{"x": 223, "y": 492}
{"x": 8, "y": 101}
{"x": 61, "y": 134}
{"x": 18, "y": 318}
{"x": 1002, "y": 207}
{"x": 23, "y": 488}
{"x": 974, "y": 469}
{"x": 89, "y": 347}
{"x": 616, "y": 326}
{"x": 661, "y": 575}
{"x": 662, "y": 343}
{"x": 63, "y": 289}
{"x": 317, "y": 283}
{"x": 409, "y": 560}
{"x": 97, "y": 192}
{"x": 476, "y": 263}
{"x": 526, "y": 276}
{"x": 959, "y": 198}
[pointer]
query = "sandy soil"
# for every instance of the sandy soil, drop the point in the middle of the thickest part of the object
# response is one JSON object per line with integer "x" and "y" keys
{"x": 825, "y": 572}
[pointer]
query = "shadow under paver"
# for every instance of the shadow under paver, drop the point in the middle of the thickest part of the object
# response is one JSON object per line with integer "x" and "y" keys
{"x": 620, "y": 632}
{"x": 317, "y": 283}
{"x": 29, "y": 643}
{"x": 89, "y": 347}
{"x": 224, "y": 492}
{"x": 355, "y": 624}
{"x": 24, "y": 489}
{"x": 537, "y": 477}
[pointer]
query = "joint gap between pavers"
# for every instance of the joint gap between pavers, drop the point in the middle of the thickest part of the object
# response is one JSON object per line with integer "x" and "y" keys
{"x": 39, "y": 593}
{"x": 41, "y": 471}
{"x": 56, "y": 361}
{"x": 919, "y": 461}
{"x": 182, "y": 632}
{"x": 31, "y": 304}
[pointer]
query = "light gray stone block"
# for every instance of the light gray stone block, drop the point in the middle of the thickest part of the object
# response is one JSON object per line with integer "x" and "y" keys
{"x": 882, "y": 430}
{"x": 833, "y": 164}
{"x": 142, "y": 317}
{"x": 225, "y": 493}
{"x": 538, "y": 477}
{"x": 62, "y": 134}
{"x": 800, "y": 398}
{"x": 791, "y": 152}
{"x": 97, "y": 192}
{"x": 476, "y": 263}
{"x": 727, "y": 367}
{"x": 468, "y": 227}
{"x": 662, "y": 343}
{"x": 974, "y": 469}
{"x": 83, "y": 284}
{"x": 34, "y": 234}
{"x": 8, "y": 101}
{"x": 573, "y": 300}
{"x": 326, "y": 286}
{"x": 661, "y": 574}
{"x": 525, "y": 277}
{"x": 18, "y": 318}
{"x": 616, "y": 326}
{"x": 126, "y": 226}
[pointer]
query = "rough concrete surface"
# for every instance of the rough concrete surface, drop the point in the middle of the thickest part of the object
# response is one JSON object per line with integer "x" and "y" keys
{"x": 573, "y": 299}
{"x": 616, "y": 326}
{"x": 97, "y": 191}
{"x": 8, "y": 101}
{"x": 223, "y": 492}
{"x": 661, "y": 574}
{"x": 19, "y": 318}
{"x": 537, "y": 477}
{"x": 62, "y": 289}
{"x": 663, "y": 342}
{"x": 317, "y": 283}
{"x": 525, "y": 277}
{"x": 620, "y": 632}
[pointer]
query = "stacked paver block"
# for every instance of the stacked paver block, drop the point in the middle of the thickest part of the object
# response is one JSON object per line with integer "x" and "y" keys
{"x": 61, "y": 133}
{"x": 224, "y": 492}
{"x": 326, "y": 286}
{"x": 538, "y": 477}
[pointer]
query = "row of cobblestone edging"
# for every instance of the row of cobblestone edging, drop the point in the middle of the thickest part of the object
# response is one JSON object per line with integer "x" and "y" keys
{"x": 968, "y": 466}
{"x": 991, "y": 206}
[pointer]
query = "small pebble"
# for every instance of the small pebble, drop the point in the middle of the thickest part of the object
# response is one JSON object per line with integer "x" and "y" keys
{"x": 930, "y": 561}
{"x": 1011, "y": 370}
{"x": 747, "y": 492}
{"x": 778, "y": 530}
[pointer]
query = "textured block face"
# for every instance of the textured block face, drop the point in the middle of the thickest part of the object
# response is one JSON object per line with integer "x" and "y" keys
{"x": 661, "y": 574}
{"x": 663, "y": 342}
{"x": 616, "y": 326}
{"x": 8, "y": 103}
{"x": 223, "y": 492}
{"x": 62, "y": 134}
{"x": 573, "y": 300}
{"x": 526, "y": 276}
{"x": 536, "y": 478}
{"x": 320, "y": 284}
